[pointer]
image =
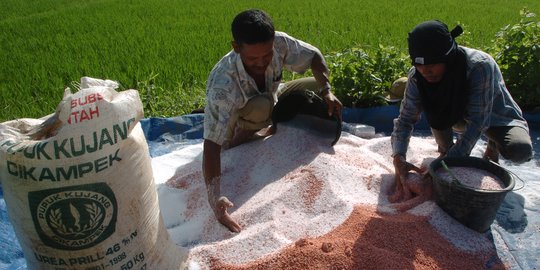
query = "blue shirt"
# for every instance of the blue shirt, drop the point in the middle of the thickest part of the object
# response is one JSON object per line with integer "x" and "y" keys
{"x": 490, "y": 104}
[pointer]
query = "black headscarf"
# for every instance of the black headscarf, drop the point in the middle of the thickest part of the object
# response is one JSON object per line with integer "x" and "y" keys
{"x": 444, "y": 102}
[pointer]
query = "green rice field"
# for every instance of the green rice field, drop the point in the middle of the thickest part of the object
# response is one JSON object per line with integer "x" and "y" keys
{"x": 166, "y": 48}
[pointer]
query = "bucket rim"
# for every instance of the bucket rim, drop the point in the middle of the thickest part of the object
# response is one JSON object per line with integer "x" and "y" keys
{"x": 436, "y": 164}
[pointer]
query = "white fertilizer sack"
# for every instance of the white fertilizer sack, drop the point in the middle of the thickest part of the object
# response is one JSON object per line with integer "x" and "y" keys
{"x": 81, "y": 195}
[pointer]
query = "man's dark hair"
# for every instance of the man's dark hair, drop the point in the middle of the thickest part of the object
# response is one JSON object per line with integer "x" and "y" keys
{"x": 252, "y": 26}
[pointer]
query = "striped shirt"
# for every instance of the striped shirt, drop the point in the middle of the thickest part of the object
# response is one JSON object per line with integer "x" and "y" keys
{"x": 490, "y": 104}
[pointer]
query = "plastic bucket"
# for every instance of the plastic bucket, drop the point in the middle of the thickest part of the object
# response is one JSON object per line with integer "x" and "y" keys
{"x": 474, "y": 208}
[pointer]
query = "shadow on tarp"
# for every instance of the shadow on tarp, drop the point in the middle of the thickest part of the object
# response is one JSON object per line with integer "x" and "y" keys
{"x": 511, "y": 215}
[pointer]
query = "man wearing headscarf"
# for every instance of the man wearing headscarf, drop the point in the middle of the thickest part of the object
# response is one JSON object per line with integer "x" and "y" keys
{"x": 460, "y": 90}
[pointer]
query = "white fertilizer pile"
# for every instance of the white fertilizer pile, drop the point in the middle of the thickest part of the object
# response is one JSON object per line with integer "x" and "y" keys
{"x": 304, "y": 204}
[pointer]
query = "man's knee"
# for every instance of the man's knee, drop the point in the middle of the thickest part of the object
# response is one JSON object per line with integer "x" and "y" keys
{"x": 518, "y": 152}
{"x": 308, "y": 83}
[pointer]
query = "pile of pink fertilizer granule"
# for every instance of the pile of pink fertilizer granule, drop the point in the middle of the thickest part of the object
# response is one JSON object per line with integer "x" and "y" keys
{"x": 304, "y": 204}
{"x": 471, "y": 177}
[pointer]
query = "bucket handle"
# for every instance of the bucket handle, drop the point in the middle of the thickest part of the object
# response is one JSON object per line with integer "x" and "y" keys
{"x": 512, "y": 173}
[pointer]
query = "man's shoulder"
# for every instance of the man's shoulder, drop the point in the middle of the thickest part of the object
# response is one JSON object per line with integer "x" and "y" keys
{"x": 225, "y": 67}
{"x": 284, "y": 42}
{"x": 282, "y": 37}
{"x": 475, "y": 56}
{"x": 480, "y": 63}
{"x": 228, "y": 61}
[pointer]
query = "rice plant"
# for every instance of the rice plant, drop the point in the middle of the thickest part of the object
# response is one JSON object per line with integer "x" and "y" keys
{"x": 45, "y": 45}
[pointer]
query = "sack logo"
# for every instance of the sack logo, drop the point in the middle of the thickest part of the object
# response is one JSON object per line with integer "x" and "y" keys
{"x": 75, "y": 217}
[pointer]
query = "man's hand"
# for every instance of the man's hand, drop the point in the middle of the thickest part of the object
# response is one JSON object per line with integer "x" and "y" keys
{"x": 421, "y": 186}
{"x": 334, "y": 105}
{"x": 320, "y": 72}
{"x": 220, "y": 211}
{"x": 402, "y": 169}
{"x": 244, "y": 135}
{"x": 220, "y": 205}
{"x": 212, "y": 179}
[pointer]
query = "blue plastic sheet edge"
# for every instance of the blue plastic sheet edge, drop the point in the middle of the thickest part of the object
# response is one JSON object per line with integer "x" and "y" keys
{"x": 381, "y": 118}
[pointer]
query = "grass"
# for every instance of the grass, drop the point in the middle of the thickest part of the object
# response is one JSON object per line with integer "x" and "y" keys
{"x": 166, "y": 48}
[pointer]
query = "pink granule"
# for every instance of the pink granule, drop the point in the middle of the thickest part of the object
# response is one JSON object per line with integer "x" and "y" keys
{"x": 311, "y": 186}
{"x": 371, "y": 240}
{"x": 472, "y": 177}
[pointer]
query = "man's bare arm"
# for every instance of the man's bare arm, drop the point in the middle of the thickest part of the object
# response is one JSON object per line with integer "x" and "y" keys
{"x": 212, "y": 178}
{"x": 321, "y": 73}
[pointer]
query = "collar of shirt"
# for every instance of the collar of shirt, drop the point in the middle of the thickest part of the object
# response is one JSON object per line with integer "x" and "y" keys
{"x": 247, "y": 83}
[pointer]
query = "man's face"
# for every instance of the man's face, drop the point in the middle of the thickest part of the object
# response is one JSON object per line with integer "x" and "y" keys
{"x": 433, "y": 73}
{"x": 255, "y": 57}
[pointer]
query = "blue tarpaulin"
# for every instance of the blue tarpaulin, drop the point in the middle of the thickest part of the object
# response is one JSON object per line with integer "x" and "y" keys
{"x": 516, "y": 232}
